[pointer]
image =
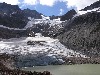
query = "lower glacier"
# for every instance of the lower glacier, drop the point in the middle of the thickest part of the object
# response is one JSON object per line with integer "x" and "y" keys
{"x": 38, "y": 50}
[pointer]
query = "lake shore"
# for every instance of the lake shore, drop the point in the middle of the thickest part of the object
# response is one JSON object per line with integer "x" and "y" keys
{"x": 7, "y": 65}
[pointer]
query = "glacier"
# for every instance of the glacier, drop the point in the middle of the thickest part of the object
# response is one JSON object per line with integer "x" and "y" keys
{"x": 43, "y": 50}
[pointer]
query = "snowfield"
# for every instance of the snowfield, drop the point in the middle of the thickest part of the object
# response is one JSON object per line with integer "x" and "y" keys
{"x": 44, "y": 20}
{"x": 42, "y": 48}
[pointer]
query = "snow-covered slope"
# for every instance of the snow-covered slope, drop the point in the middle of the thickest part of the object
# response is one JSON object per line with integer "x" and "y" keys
{"x": 40, "y": 48}
{"x": 84, "y": 12}
{"x": 44, "y": 20}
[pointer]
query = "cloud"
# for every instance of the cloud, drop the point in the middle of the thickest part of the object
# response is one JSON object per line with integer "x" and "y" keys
{"x": 47, "y": 2}
{"x": 79, "y": 4}
{"x": 61, "y": 11}
{"x": 30, "y": 2}
{"x": 13, "y": 2}
{"x": 42, "y": 2}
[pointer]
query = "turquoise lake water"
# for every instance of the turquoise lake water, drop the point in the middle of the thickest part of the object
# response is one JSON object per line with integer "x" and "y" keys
{"x": 88, "y": 69}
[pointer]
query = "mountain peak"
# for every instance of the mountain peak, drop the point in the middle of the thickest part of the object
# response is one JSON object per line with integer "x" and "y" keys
{"x": 68, "y": 15}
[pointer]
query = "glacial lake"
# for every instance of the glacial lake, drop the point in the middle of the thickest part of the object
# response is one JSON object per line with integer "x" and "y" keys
{"x": 87, "y": 69}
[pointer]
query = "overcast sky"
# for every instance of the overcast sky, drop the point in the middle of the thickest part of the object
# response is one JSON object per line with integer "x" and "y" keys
{"x": 51, "y": 7}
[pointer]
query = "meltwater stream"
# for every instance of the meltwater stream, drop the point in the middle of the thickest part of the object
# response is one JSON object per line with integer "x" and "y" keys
{"x": 88, "y": 69}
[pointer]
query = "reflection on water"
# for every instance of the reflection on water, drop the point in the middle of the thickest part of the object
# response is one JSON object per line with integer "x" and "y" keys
{"x": 69, "y": 69}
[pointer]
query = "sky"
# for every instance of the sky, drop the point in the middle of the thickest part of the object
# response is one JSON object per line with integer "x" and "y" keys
{"x": 51, "y": 7}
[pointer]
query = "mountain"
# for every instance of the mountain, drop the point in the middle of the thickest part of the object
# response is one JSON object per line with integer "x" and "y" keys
{"x": 82, "y": 33}
{"x": 92, "y": 6}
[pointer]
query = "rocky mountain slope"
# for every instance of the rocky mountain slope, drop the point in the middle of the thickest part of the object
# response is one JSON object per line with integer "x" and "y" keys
{"x": 82, "y": 33}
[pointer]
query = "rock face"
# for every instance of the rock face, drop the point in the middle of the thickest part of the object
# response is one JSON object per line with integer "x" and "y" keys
{"x": 82, "y": 34}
